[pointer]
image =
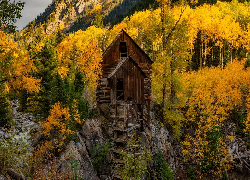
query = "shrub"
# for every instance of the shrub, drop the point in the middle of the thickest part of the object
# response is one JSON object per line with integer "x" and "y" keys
{"x": 51, "y": 171}
{"x": 4, "y": 111}
{"x": 163, "y": 171}
{"x": 55, "y": 130}
{"x": 98, "y": 154}
{"x": 191, "y": 173}
{"x": 239, "y": 117}
{"x": 15, "y": 153}
{"x": 135, "y": 160}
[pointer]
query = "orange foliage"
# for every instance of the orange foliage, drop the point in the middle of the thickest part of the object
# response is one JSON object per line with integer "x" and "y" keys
{"x": 16, "y": 65}
{"x": 56, "y": 128}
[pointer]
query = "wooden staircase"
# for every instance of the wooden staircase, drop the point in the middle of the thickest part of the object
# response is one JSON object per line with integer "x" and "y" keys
{"x": 126, "y": 121}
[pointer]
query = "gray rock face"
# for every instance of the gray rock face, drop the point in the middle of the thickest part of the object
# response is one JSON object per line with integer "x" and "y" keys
{"x": 79, "y": 154}
{"x": 92, "y": 133}
{"x": 24, "y": 123}
{"x": 161, "y": 140}
{"x": 90, "y": 136}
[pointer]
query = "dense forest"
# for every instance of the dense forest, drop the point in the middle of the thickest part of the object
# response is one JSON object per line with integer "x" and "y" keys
{"x": 200, "y": 77}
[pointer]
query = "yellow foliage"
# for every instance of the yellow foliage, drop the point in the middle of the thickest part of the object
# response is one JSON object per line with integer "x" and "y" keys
{"x": 115, "y": 30}
{"x": 80, "y": 51}
{"x": 16, "y": 65}
{"x": 230, "y": 138}
{"x": 57, "y": 128}
{"x": 58, "y": 118}
{"x": 213, "y": 94}
{"x": 97, "y": 8}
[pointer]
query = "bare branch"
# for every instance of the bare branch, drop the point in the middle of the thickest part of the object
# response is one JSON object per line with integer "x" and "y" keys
{"x": 172, "y": 30}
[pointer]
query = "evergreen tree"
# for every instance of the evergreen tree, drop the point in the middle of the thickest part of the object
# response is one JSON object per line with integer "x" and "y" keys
{"x": 163, "y": 171}
{"x": 4, "y": 110}
{"x": 46, "y": 70}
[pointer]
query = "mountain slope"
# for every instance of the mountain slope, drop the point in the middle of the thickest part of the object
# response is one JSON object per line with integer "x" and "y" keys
{"x": 78, "y": 14}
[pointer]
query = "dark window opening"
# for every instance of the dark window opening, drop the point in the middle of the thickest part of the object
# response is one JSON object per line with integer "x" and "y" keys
{"x": 129, "y": 99}
{"x": 123, "y": 49}
{"x": 119, "y": 91}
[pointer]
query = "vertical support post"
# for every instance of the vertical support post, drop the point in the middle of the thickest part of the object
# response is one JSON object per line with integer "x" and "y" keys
{"x": 148, "y": 109}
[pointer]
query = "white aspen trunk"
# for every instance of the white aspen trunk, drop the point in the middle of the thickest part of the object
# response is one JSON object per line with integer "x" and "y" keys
{"x": 212, "y": 54}
{"x": 223, "y": 53}
{"x": 201, "y": 55}
{"x": 231, "y": 55}
{"x": 205, "y": 57}
{"x": 220, "y": 55}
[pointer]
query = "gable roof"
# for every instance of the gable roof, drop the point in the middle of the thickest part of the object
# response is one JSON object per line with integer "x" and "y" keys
{"x": 121, "y": 63}
{"x": 112, "y": 43}
{"x": 137, "y": 45}
{"x": 118, "y": 36}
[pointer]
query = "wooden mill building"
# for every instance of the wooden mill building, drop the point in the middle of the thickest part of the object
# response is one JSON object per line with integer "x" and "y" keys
{"x": 126, "y": 72}
{"x": 123, "y": 94}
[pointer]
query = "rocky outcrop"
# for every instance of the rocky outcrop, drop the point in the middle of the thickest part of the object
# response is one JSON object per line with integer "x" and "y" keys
{"x": 64, "y": 13}
{"x": 238, "y": 151}
{"x": 23, "y": 124}
{"x": 162, "y": 142}
{"x": 97, "y": 132}
{"x": 90, "y": 136}
{"x": 92, "y": 133}
{"x": 76, "y": 152}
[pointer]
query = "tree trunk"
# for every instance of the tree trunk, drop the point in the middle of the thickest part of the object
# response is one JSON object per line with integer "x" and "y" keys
{"x": 220, "y": 55}
{"x": 172, "y": 89}
{"x": 164, "y": 45}
{"x": 222, "y": 58}
{"x": 205, "y": 57}
{"x": 212, "y": 54}
{"x": 201, "y": 54}
{"x": 164, "y": 94}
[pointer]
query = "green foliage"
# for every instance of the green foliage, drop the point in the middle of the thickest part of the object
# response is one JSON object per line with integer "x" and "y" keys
{"x": 4, "y": 111}
{"x": 140, "y": 6}
{"x": 14, "y": 153}
{"x": 98, "y": 21}
{"x": 240, "y": 126}
{"x": 248, "y": 144}
{"x": 210, "y": 161}
{"x": 163, "y": 171}
{"x": 191, "y": 173}
{"x": 239, "y": 116}
{"x": 59, "y": 36}
{"x": 98, "y": 154}
{"x": 54, "y": 88}
{"x": 9, "y": 12}
{"x": 73, "y": 166}
{"x": 135, "y": 159}
{"x": 75, "y": 92}
{"x": 73, "y": 137}
{"x": 46, "y": 69}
